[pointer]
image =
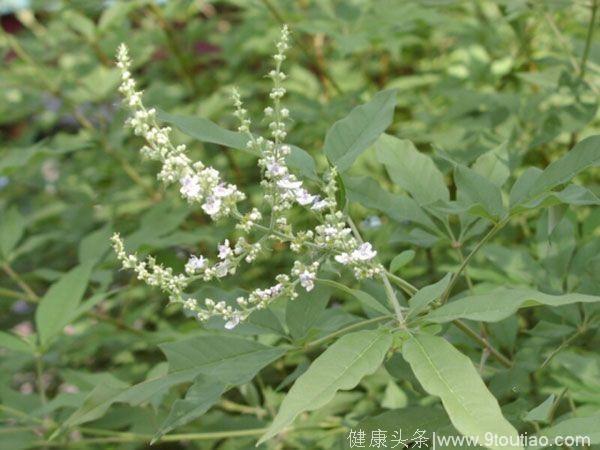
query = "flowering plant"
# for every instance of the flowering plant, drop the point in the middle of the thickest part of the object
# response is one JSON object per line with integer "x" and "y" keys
{"x": 334, "y": 238}
{"x": 428, "y": 266}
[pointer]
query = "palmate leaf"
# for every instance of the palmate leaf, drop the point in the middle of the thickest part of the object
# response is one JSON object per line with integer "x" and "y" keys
{"x": 502, "y": 303}
{"x": 446, "y": 373}
{"x": 340, "y": 367}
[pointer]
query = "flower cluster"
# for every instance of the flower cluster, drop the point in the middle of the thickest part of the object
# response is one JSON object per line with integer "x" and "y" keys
{"x": 332, "y": 239}
{"x": 150, "y": 272}
{"x": 199, "y": 184}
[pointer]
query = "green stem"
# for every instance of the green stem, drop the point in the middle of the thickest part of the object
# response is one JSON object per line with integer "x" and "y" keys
{"x": 20, "y": 281}
{"x": 39, "y": 374}
{"x": 483, "y": 342}
{"x": 497, "y": 227}
{"x": 588, "y": 40}
{"x": 402, "y": 283}
{"x": 355, "y": 326}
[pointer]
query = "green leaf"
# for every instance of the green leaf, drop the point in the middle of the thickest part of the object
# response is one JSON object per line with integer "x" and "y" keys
{"x": 502, "y": 303}
{"x": 60, "y": 301}
{"x": 95, "y": 245}
{"x": 446, "y": 373}
{"x": 586, "y": 427}
{"x": 206, "y": 131}
{"x": 483, "y": 197}
{"x": 572, "y": 194}
{"x": 370, "y": 194}
{"x": 365, "y": 299}
{"x": 302, "y": 313}
{"x": 493, "y": 165}
{"x": 204, "y": 393}
{"x": 12, "y": 227}
{"x": 585, "y": 154}
{"x": 412, "y": 170}
{"x": 113, "y": 391}
{"x": 401, "y": 260}
{"x": 541, "y": 413}
{"x": 353, "y": 134}
{"x": 14, "y": 343}
{"x": 523, "y": 185}
{"x": 340, "y": 367}
{"x": 230, "y": 359}
{"x": 426, "y": 295}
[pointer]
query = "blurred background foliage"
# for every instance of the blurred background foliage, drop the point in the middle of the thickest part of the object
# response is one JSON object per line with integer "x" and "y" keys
{"x": 519, "y": 78}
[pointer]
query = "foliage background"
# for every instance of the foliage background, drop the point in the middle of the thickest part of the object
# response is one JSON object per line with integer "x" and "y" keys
{"x": 514, "y": 77}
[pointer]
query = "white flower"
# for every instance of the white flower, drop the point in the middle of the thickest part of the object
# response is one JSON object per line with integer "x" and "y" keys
{"x": 364, "y": 253}
{"x": 343, "y": 258}
{"x": 225, "y": 250}
{"x": 276, "y": 170}
{"x": 195, "y": 263}
{"x": 319, "y": 205}
{"x": 190, "y": 187}
{"x": 307, "y": 280}
{"x": 232, "y": 323}
{"x": 288, "y": 183}
{"x": 212, "y": 206}
{"x": 303, "y": 197}
{"x": 222, "y": 190}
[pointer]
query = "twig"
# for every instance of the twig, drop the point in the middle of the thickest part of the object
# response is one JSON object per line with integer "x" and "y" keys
{"x": 497, "y": 227}
{"x": 483, "y": 342}
{"x": 20, "y": 281}
{"x": 355, "y": 326}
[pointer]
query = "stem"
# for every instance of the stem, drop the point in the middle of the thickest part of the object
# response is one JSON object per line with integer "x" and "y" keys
{"x": 584, "y": 57}
{"x": 588, "y": 40}
{"x": 228, "y": 405}
{"x": 20, "y": 281}
{"x": 10, "y": 293}
{"x": 483, "y": 342}
{"x": 403, "y": 284}
{"x": 39, "y": 373}
{"x": 564, "y": 344}
{"x": 497, "y": 227}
